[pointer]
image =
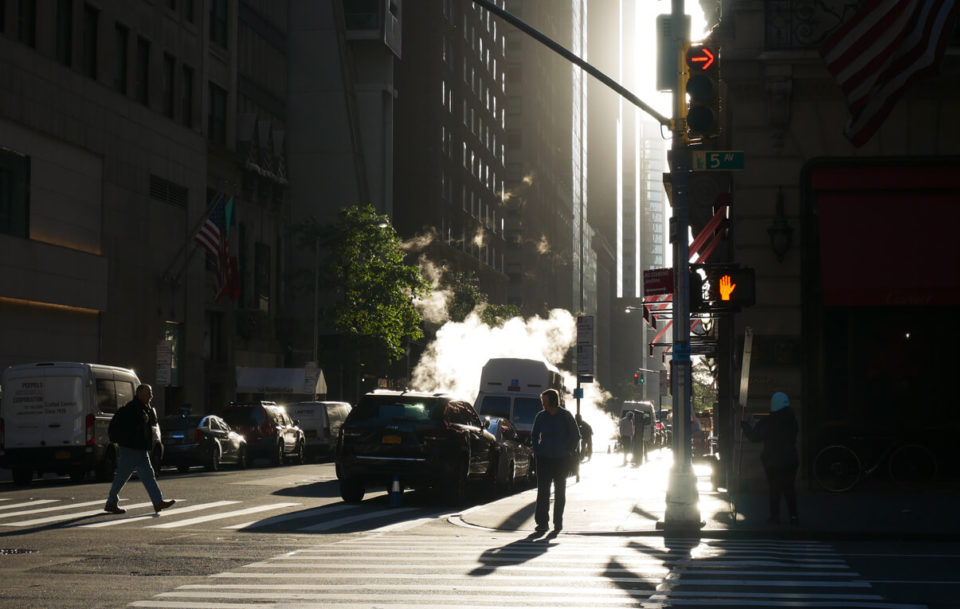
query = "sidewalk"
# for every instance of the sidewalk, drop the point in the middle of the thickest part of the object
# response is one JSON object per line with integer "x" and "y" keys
{"x": 615, "y": 499}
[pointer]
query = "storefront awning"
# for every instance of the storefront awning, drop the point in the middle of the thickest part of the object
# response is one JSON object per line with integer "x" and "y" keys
{"x": 281, "y": 380}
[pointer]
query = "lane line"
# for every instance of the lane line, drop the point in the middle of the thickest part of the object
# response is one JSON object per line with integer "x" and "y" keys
{"x": 220, "y": 516}
{"x": 165, "y": 514}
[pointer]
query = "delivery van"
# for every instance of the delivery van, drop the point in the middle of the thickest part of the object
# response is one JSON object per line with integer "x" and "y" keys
{"x": 320, "y": 422}
{"x": 54, "y": 418}
{"x": 511, "y": 387}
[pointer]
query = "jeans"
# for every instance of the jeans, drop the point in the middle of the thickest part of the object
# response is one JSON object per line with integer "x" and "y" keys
{"x": 128, "y": 461}
{"x": 551, "y": 470}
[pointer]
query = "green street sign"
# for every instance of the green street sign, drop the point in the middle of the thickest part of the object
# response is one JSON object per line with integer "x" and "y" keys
{"x": 717, "y": 160}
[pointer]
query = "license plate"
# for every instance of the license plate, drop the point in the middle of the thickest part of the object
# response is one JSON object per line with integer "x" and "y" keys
{"x": 390, "y": 440}
{"x": 61, "y": 454}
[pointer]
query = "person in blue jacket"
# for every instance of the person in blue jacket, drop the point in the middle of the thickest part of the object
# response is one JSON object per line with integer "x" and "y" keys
{"x": 556, "y": 439}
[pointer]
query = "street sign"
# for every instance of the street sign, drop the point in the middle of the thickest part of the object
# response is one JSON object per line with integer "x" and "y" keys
{"x": 657, "y": 282}
{"x": 717, "y": 160}
{"x": 585, "y": 344}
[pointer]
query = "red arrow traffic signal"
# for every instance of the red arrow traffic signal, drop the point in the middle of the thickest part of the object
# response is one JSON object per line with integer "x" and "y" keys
{"x": 700, "y": 57}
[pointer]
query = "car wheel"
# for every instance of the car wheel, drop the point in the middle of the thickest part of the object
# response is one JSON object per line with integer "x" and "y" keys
{"x": 22, "y": 476}
{"x": 297, "y": 457}
{"x": 277, "y": 458}
{"x": 78, "y": 474}
{"x": 242, "y": 462}
{"x": 104, "y": 470}
{"x": 351, "y": 490}
{"x": 213, "y": 459}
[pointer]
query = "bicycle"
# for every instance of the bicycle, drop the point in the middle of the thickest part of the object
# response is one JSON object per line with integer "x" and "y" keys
{"x": 838, "y": 467}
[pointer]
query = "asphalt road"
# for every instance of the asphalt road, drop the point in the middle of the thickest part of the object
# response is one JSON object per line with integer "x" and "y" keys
{"x": 237, "y": 538}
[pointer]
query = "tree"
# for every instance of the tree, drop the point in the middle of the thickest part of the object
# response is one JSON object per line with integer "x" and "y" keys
{"x": 374, "y": 288}
{"x": 466, "y": 296}
{"x": 704, "y": 386}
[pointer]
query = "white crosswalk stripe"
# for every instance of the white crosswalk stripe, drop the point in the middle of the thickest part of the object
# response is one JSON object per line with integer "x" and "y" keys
{"x": 400, "y": 571}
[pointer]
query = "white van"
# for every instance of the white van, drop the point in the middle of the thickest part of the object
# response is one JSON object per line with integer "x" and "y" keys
{"x": 511, "y": 387}
{"x": 320, "y": 422}
{"x": 54, "y": 418}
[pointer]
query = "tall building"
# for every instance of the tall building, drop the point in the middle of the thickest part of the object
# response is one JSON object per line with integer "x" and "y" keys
{"x": 118, "y": 130}
{"x": 451, "y": 139}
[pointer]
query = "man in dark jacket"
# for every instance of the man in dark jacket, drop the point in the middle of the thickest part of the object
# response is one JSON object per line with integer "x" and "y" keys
{"x": 778, "y": 432}
{"x": 132, "y": 430}
{"x": 556, "y": 439}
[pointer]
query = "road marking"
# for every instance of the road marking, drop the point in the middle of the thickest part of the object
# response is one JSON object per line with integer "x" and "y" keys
{"x": 25, "y": 504}
{"x": 220, "y": 516}
{"x": 166, "y": 514}
{"x": 62, "y": 517}
{"x": 327, "y": 509}
{"x": 332, "y": 524}
{"x": 56, "y": 508}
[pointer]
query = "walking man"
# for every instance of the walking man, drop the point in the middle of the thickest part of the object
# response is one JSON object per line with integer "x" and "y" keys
{"x": 779, "y": 457}
{"x": 132, "y": 430}
{"x": 555, "y": 442}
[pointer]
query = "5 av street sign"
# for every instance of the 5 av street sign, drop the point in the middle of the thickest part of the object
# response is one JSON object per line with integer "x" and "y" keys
{"x": 717, "y": 160}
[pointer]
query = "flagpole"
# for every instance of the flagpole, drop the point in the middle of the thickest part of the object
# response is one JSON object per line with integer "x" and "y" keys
{"x": 168, "y": 274}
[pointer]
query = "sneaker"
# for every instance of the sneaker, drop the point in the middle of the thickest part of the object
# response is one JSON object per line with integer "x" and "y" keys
{"x": 557, "y": 528}
{"x": 114, "y": 509}
{"x": 163, "y": 504}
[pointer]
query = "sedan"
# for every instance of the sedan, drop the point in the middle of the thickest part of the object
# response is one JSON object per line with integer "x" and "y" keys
{"x": 514, "y": 463}
{"x": 201, "y": 440}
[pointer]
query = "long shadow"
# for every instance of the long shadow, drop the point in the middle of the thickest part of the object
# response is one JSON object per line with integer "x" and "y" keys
{"x": 48, "y": 527}
{"x": 514, "y": 553}
{"x": 519, "y": 516}
{"x": 636, "y": 585}
{"x": 327, "y": 488}
{"x": 645, "y": 514}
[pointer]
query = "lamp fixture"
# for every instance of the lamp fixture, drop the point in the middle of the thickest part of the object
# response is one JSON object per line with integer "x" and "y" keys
{"x": 780, "y": 231}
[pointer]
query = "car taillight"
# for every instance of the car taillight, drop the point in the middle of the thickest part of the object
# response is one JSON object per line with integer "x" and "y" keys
{"x": 91, "y": 426}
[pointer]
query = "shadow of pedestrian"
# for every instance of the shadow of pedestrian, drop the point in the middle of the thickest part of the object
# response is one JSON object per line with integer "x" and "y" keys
{"x": 519, "y": 516}
{"x": 514, "y": 553}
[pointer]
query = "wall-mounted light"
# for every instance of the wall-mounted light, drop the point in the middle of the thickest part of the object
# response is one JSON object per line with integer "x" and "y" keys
{"x": 780, "y": 231}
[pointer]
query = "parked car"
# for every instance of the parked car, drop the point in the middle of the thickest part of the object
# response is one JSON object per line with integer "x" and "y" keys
{"x": 514, "y": 463}
{"x": 269, "y": 430}
{"x": 320, "y": 422}
{"x": 422, "y": 439}
{"x": 201, "y": 440}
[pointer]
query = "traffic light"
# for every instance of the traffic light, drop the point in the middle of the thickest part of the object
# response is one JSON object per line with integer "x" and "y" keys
{"x": 636, "y": 378}
{"x": 703, "y": 90}
{"x": 730, "y": 288}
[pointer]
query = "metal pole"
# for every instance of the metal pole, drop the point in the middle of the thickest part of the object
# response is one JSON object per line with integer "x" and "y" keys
{"x": 316, "y": 300}
{"x": 682, "y": 516}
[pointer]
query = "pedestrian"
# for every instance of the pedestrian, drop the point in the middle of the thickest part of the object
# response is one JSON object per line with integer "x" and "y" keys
{"x": 627, "y": 430}
{"x": 555, "y": 442}
{"x": 586, "y": 434}
{"x": 778, "y": 432}
{"x": 132, "y": 430}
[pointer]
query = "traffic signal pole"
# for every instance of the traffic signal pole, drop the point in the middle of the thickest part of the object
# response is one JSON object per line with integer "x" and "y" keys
{"x": 682, "y": 516}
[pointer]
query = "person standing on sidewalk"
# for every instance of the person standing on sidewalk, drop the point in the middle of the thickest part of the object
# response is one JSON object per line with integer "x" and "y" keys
{"x": 132, "y": 430}
{"x": 778, "y": 432}
{"x": 555, "y": 442}
{"x": 627, "y": 430}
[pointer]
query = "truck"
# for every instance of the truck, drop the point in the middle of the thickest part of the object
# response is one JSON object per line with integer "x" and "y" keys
{"x": 511, "y": 387}
{"x": 54, "y": 418}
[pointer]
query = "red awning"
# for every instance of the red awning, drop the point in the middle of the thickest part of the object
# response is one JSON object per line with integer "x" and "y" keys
{"x": 889, "y": 235}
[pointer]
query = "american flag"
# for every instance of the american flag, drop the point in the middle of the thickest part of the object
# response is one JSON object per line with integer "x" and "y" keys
{"x": 883, "y": 48}
{"x": 212, "y": 237}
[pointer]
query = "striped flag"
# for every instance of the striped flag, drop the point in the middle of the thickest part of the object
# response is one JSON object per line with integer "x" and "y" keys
{"x": 212, "y": 237}
{"x": 879, "y": 51}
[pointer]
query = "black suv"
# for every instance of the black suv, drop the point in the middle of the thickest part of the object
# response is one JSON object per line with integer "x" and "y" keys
{"x": 269, "y": 430}
{"x": 422, "y": 439}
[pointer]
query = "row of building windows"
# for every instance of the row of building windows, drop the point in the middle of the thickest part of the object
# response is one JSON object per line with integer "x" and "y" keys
{"x": 474, "y": 245}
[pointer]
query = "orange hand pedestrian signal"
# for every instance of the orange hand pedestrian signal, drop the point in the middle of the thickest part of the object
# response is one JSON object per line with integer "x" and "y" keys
{"x": 726, "y": 287}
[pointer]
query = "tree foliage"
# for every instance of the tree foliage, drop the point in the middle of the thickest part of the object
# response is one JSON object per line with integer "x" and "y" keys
{"x": 363, "y": 263}
{"x": 466, "y": 296}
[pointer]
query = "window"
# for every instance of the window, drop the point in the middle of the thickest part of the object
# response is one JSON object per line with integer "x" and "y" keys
{"x": 218, "y": 22}
{"x": 169, "y": 72}
{"x": 121, "y": 36}
{"x": 91, "y": 17}
{"x": 27, "y": 22}
{"x": 143, "y": 71}
{"x": 14, "y": 193}
{"x": 64, "y": 31}
{"x": 217, "y": 117}
{"x": 186, "y": 97}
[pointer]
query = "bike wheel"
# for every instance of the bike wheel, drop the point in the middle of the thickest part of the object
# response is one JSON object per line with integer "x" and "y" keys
{"x": 837, "y": 468}
{"x": 912, "y": 465}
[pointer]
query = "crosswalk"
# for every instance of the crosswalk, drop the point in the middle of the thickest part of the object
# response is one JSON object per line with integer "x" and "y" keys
{"x": 235, "y": 515}
{"x": 406, "y": 571}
